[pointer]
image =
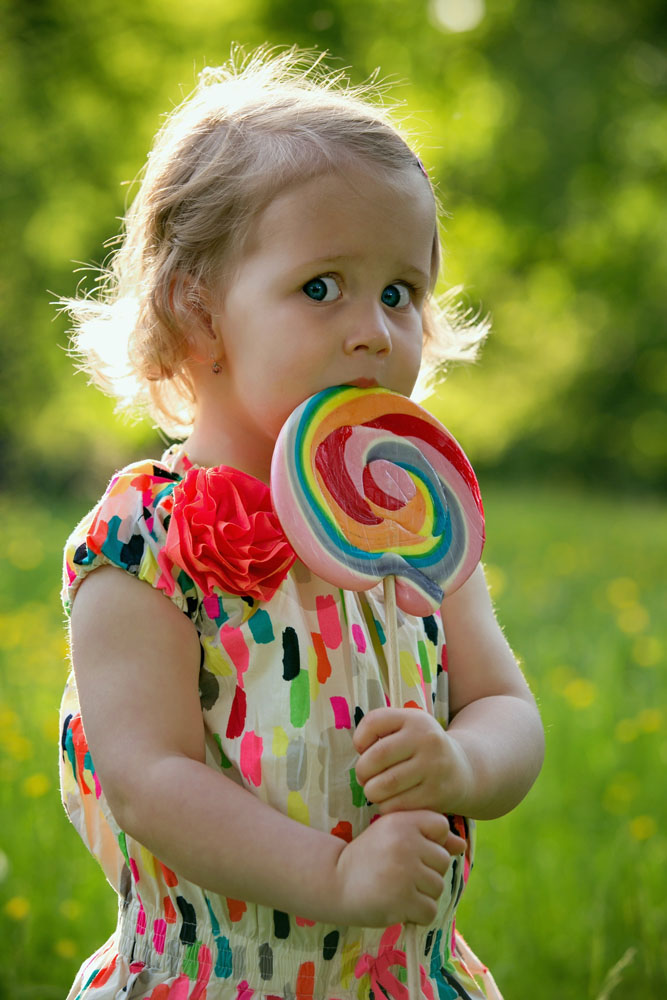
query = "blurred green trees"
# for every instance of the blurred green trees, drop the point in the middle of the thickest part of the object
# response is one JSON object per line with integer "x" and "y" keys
{"x": 544, "y": 126}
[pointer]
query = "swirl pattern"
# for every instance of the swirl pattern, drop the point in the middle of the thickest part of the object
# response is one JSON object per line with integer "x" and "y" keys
{"x": 367, "y": 484}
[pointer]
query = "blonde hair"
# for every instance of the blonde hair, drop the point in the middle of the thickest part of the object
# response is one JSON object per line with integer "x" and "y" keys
{"x": 252, "y": 127}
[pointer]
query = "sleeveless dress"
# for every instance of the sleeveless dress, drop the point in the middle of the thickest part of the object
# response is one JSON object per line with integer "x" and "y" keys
{"x": 282, "y": 685}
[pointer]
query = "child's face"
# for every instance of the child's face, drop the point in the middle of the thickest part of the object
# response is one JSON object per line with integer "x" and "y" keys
{"x": 330, "y": 291}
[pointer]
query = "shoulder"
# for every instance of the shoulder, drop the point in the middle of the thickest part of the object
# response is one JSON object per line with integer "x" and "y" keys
{"x": 127, "y": 529}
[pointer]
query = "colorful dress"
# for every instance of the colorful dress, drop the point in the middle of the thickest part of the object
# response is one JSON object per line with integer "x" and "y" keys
{"x": 282, "y": 684}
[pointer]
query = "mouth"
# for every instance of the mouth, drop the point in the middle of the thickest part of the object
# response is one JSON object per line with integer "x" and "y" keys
{"x": 364, "y": 383}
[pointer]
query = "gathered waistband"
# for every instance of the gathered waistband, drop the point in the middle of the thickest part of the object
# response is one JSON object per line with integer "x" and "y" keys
{"x": 343, "y": 958}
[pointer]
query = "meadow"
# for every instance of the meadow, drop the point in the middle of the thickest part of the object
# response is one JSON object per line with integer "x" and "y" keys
{"x": 567, "y": 900}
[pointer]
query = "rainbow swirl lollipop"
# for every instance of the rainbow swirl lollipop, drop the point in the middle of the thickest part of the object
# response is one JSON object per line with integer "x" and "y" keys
{"x": 368, "y": 485}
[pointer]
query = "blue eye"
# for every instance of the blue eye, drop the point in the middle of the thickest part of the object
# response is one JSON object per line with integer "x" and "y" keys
{"x": 323, "y": 289}
{"x": 396, "y": 295}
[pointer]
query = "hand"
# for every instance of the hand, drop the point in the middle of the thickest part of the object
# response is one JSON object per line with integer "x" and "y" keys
{"x": 408, "y": 761}
{"x": 394, "y": 871}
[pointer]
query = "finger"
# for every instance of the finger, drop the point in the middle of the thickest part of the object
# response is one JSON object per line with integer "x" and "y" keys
{"x": 435, "y": 857}
{"x": 423, "y": 911}
{"x": 399, "y": 804}
{"x": 409, "y": 801}
{"x": 455, "y": 844}
{"x": 390, "y": 781}
{"x": 383, "y": 754}
{"x": 375, "y": 724}
{"x": 433, "y": 825}
{"x": 429, "y": 882}
{"x": 442, "y": 833}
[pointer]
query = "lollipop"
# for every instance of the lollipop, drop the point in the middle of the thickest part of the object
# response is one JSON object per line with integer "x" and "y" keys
{"x": 368, "y": 485}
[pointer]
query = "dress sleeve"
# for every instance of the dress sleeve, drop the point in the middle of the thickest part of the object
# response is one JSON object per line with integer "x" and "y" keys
{"x": 128, "y": 529}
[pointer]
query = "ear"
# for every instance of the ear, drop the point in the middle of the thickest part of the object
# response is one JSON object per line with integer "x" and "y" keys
{"x": 189, "y": 302}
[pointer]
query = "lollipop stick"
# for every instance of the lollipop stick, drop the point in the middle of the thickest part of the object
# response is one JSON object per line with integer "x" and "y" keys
{"x": 393, "y": 669}
{"x": 412, "y": 960}
{"x": 393, "y": 664}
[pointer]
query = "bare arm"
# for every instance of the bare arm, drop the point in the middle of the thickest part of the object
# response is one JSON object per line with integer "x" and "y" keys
{"x": 136, "y": 660}
{"x": 495, "y": 720}
{"x": 490, "y": 755}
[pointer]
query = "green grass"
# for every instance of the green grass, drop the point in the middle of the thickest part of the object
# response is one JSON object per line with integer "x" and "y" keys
{"x": 570, "y": 884}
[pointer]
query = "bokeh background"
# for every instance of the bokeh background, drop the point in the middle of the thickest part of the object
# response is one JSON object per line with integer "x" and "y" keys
{"x": 544, "y": 126}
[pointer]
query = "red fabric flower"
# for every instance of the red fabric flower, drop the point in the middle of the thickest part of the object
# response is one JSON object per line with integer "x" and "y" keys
{"x": 225, "y": 533}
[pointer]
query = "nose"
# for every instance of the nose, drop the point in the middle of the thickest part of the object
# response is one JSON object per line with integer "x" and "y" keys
{"x": 369, "y": 332}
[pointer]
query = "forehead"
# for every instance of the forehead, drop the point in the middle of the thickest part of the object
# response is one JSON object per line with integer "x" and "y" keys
{"x": 351, "y": 213}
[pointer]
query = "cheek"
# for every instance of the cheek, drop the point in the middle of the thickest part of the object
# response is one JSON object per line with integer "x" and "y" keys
{"x": 409, "y": 368}
{"x": 413, "y": 350}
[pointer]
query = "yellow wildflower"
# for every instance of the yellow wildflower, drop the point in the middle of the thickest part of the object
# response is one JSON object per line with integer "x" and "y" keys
{"x": 633, "y": 619}
{"x": 643, "y": 827}
{"x": 18, "y": 908}
{"x": 580, "y": 692}
{"x": 647, "y": 651}
{"x": 649, "y": 720}
{"x": 622, "y": 592}
{"x": 36, "y": 785}
{"x": 65, "y": 948}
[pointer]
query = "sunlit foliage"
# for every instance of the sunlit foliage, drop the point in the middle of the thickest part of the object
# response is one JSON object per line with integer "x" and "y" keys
{"x": 543, "y": 124}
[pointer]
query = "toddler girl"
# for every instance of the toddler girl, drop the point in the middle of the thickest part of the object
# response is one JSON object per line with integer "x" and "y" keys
{"x": 228, "y": 755}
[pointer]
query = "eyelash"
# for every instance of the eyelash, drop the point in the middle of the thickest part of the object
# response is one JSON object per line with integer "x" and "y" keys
{"x": 412, "y": 289}
{"x": 408, "y": 284}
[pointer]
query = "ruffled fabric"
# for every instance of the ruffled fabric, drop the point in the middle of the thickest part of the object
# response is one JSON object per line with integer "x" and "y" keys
{"x": 225, "y": 534}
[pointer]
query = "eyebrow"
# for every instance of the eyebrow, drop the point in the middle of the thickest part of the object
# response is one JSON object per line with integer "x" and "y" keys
{"x": 403, "y": 268}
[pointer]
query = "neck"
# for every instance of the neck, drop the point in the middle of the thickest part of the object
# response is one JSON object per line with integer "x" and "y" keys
{"x": 212, "y": 444}
{"x": 225, "y": 430}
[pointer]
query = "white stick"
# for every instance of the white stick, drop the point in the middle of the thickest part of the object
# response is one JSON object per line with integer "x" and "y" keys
{"x": 394, "y": 672}
{"x": 393, "y": 663}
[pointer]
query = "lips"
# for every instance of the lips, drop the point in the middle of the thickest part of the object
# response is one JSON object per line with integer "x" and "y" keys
{"x": 364, "y": 383}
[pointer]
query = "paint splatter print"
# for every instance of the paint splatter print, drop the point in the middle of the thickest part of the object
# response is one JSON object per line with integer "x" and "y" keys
{"x": 281, "y": 695}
